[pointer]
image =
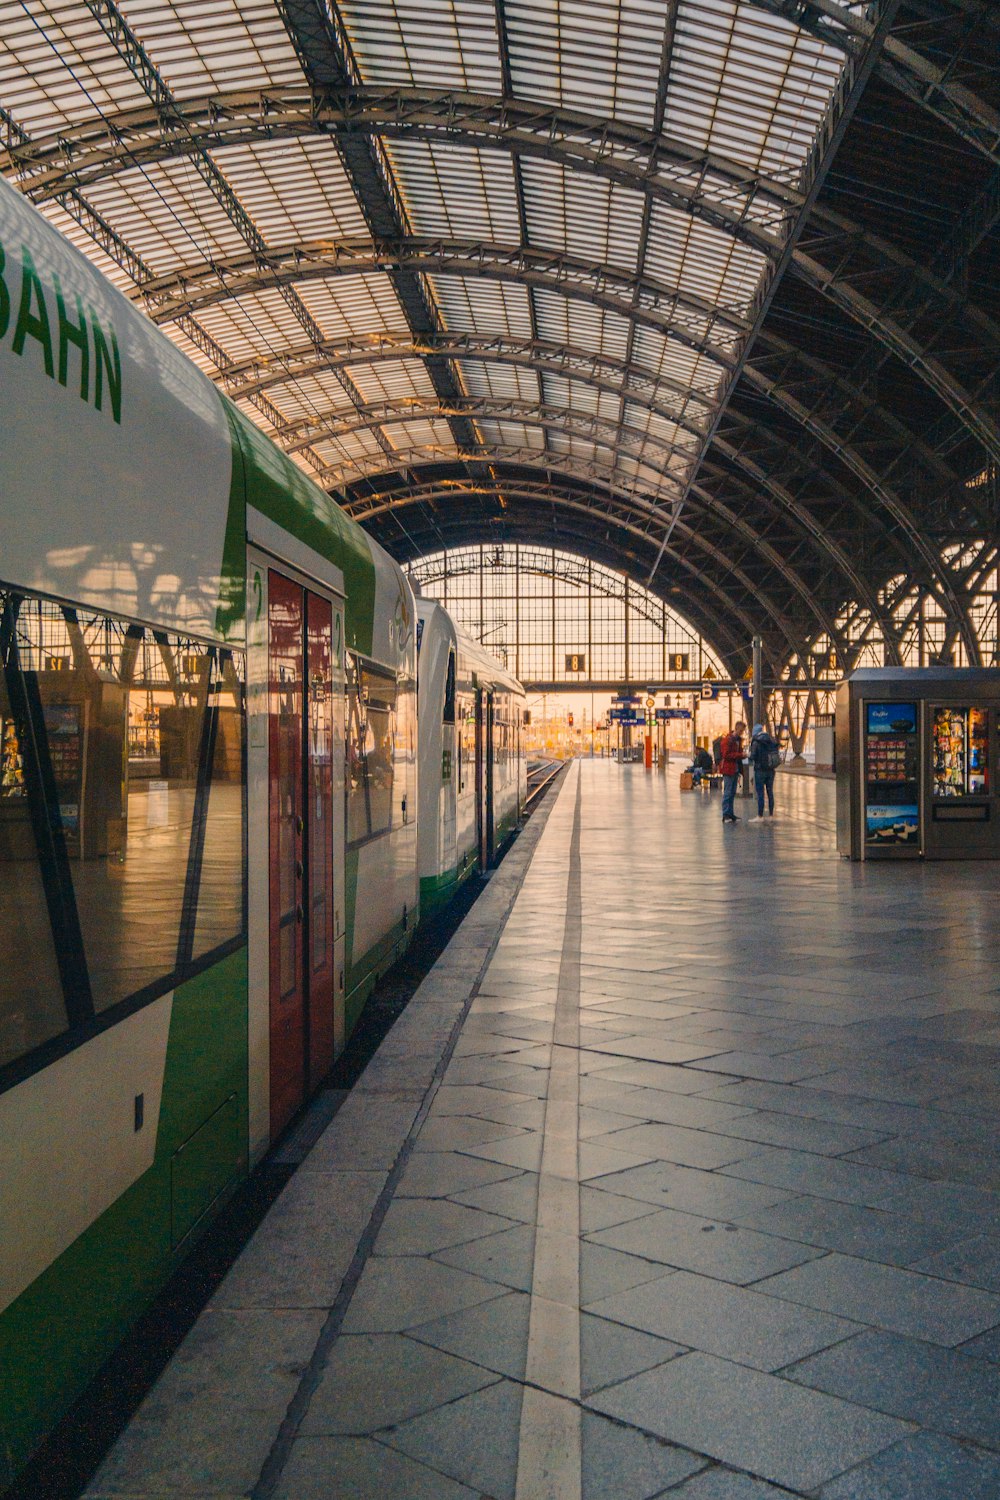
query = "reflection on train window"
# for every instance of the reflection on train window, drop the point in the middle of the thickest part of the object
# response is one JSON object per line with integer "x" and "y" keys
{"x": 126, "y": 779}
{"x": 31, "y": 999}
{"x": 371, "y": 750}
{"x": 448, "y": 716}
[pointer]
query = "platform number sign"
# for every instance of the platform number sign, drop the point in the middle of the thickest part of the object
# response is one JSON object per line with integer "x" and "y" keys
{"x": 576, "y": 661}
{"x": 679, "y": 661}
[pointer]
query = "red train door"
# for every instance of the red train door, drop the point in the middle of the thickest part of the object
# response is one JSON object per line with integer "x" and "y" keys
{"x": 285, "y": 612}
{"x": 319, "y": 838}
{"x": 300, "y": 816}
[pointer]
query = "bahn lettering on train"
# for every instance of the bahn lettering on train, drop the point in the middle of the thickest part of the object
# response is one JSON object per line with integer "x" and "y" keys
{"x": 74, "y": 347}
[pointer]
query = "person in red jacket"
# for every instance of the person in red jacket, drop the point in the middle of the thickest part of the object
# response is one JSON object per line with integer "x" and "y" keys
{"x": 730, "y": 764}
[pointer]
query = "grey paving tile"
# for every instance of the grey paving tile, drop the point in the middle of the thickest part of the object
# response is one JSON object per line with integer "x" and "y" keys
{"x": 223, "y": 1451}
{"x": 290, "y": 1262}
{"x": 610, "y": 1352}
{"x": 603, "y": 1271}
{"x": 473, "y": 1440}
{"x": 627, "y": 1464}
{"x": 595, "y": 1160}
{"x": 514, "y": 1198}
{"x": 655, "y": 1075}
{"x": 456, "y": 1132}
{"x": 756, "y": 1422}
{"x": 438, "y": 1174}
{"x": 721, "y": 1319}
{"x": 923, "y": 1467}
{"x": 679, "y": 1109}
{"x": 319, "y": 1468}
{"x": 870, "y": 1233}
{"x": 714, "y": 1194}
{"x": 890, "y": 1298}
{"x": 419, "y": 1226}
{"x": 676, "y": 1143}
{"x": 653, "y": 1049}
{"x": 975, "y": 1262}
{"x": 524, "y": 1151}
{"x": 506, "y": 1258}
{"x": 946, "y": 1203}
{"x": 375, "y": 1380}
{"x": 799, "y": 1134}
{"x": 938, "y": 1388}
{"x": 761, "y": 1065}
{"x": 692, "y": 1243}
{"x": 493, "y": 1335}
{"x": 822, "y": 1177}
{"x": 952, "y": 1161}
{"x": 723, "y": 1484}
{"x": 396, "y": 1293}
{"x": 599, "y": 1210}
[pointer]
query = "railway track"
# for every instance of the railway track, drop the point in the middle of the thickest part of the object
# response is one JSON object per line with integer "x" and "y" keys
{"x": 541, "y": 773}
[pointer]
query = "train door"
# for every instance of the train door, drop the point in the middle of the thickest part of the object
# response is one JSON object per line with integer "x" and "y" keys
{"x": 481, "y": 848}
{"x": 301, "y": 875}
{"x": 489, "y": 778}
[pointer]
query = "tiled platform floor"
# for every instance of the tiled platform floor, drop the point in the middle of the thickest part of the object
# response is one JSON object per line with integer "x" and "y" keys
{"x": 699, "y": 1196}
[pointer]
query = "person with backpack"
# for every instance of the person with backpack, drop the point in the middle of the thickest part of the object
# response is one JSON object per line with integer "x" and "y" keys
{"x": 730, "y": 763}
{"x": 765, "y": 757}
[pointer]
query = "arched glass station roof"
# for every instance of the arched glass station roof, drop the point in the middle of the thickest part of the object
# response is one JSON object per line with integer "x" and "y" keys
{"x": 702, "y": 290}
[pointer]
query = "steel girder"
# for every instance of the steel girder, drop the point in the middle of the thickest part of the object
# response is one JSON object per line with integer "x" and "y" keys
{"x": 624, "y": 154}
{"x": 600, "y": 431}
{"x": 910, "y": 71}
{"x": 585, "y": 501}
{"x": 625, "y": 509}
{"x": 324, "y": 51}
{"x": 634, "y": 384}
{"x": 574, "y": 278}
{"x": 129, "y": 48}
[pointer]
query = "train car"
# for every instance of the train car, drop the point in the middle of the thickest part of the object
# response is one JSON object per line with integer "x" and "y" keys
{"x": 472, "y": 768}
{"x": 208, "y": 787}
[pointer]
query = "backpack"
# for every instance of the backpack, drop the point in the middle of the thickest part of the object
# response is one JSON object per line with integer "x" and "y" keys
{"x": 766, "y": 756}
{"x": 717, "y": 750}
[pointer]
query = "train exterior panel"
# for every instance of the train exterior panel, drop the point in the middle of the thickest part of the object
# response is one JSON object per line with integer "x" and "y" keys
{"x": 472, "y": 768}
{"x": 179, "y": 606}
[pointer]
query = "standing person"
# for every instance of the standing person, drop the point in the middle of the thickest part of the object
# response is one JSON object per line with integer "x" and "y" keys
{"x": 730, "y": 760}
{"x": 765, "y": 758}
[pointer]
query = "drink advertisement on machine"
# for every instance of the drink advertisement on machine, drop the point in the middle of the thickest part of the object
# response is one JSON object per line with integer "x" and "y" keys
{"x": 892, "y": 814}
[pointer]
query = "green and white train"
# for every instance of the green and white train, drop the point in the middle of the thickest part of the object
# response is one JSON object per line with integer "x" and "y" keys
{"x": 214, "y": 794}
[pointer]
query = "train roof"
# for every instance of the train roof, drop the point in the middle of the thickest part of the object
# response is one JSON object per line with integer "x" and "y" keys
{"x": 471, "y": 652}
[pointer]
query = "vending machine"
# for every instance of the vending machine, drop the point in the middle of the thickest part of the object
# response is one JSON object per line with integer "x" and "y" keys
{"x": 918, "y": 763}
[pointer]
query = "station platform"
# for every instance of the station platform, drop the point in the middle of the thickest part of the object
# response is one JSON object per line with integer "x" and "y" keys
{"x": 680, "y": 1175}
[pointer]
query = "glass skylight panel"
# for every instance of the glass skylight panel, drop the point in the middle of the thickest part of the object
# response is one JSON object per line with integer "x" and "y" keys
{"x": 581, "y": 325}
{"x": 585, "y": 216}
{"x": 603, "y": 56}
{"x": 79, "y": 237}
{"x": 57, "y": 67}
{"x": 393, "y": 380}
{"x": 168, "y": 215}
{"x": 433, "y": 436}
{"x": 294, "y": 190}
{"x": 746, "y": 85}
{"x": 346, "y": 306}
{"x": 499, "y": 381}
{"x": 696, "y": 257}
{"x": 439, "y": 43}
{"x": 457, "y": 192}
{"x": 481, "y": 306}
{"x": 202, "y": 45}
{"x": 253, "y": 325}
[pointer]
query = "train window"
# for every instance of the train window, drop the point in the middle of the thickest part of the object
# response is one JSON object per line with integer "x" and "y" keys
{"x": 131, "y": 746}
{"x": 371, "y": 750}
{"x": 32, "y": 1010}
{"x": 449, "y": 691}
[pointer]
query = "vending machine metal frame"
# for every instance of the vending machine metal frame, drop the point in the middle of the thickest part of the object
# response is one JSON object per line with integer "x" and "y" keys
{"x": 889, "y": 799}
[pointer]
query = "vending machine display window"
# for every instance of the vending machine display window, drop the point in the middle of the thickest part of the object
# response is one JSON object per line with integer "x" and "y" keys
{"x": 960, "y": 751}
{"x": 892, "y": 793}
